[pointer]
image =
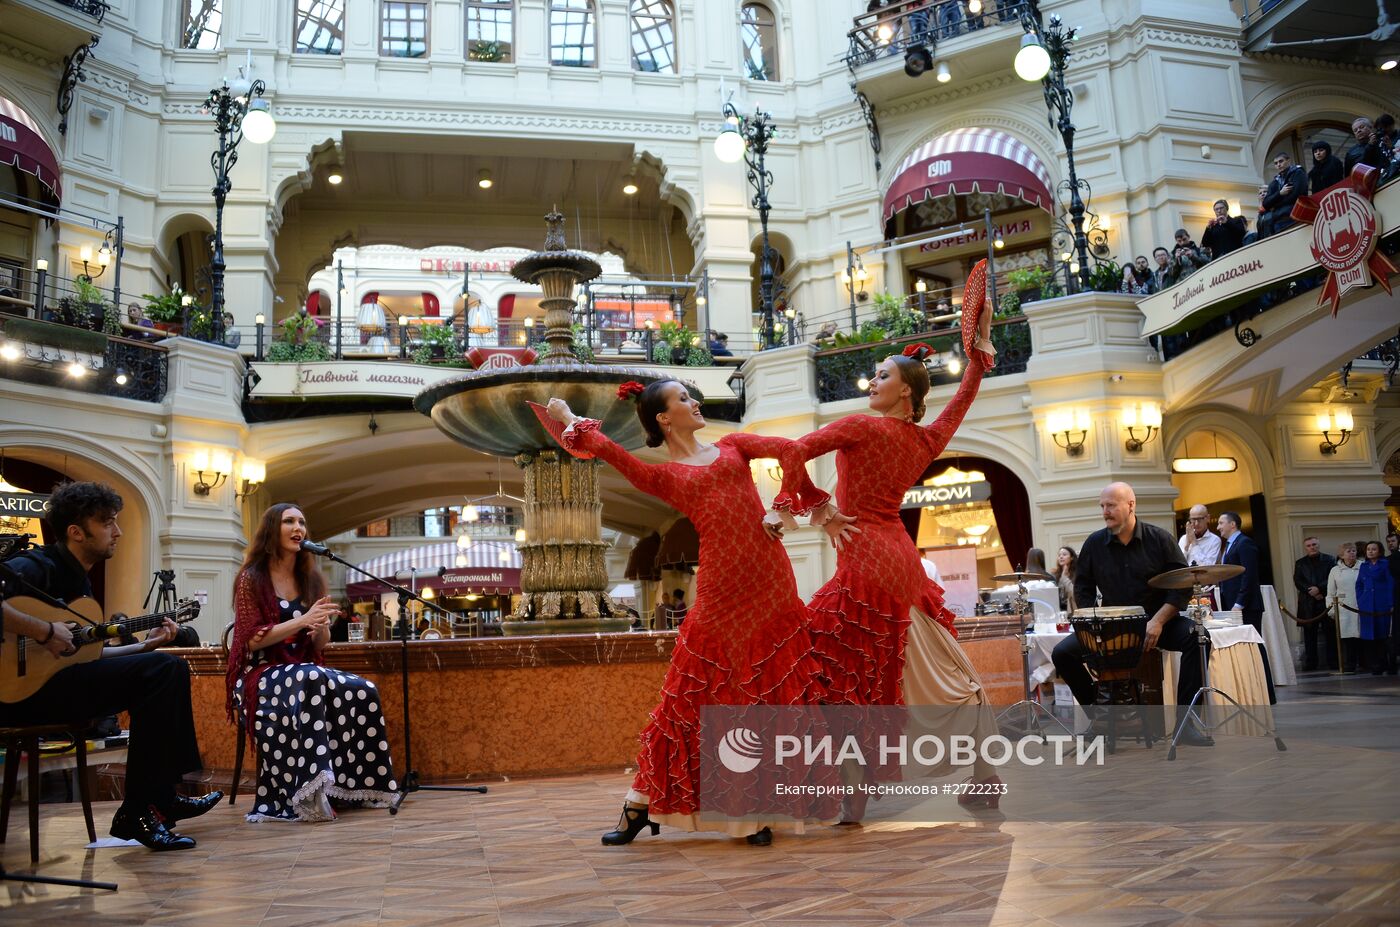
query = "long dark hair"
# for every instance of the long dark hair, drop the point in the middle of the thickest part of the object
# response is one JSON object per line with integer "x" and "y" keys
{"x": 1068, "y": 568}
{"x": 915, "y": 375}
{"x": 311, "y": 585}
{"x": 651, "y": 403}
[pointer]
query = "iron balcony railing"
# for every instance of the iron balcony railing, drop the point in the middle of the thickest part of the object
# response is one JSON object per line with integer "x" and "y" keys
{"x": 97, "y": 9}
{"x": 890, "y": 30}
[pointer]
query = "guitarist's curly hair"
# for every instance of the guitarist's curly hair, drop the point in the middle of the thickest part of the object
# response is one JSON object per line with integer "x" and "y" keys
{"x": 75, "y": 503}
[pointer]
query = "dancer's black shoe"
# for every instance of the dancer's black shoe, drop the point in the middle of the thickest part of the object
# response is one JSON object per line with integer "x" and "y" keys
{"x": 631, "y": 823}
{"x": 761, "y": 839}
{"x": 147, "y": 828}
{"x": 182, "y": 808}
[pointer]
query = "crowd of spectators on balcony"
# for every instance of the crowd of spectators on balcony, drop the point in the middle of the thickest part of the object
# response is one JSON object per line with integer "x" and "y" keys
{"x": 1374, "y": 144}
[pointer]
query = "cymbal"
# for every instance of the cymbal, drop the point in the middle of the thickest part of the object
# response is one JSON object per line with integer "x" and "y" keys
{"x": 1186, "y": 577}
{"x": 1022, "y": 577}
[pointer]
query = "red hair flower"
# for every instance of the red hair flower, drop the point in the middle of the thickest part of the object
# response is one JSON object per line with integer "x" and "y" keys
{"x": 918, "y": 351}
{"x": 629, "y": 391}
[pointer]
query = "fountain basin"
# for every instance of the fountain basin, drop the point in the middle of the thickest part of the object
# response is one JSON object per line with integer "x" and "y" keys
{"x": 486, "y": 411}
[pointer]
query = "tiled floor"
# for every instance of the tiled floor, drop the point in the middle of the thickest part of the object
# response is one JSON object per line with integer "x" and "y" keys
{"x": 528, "y": 854}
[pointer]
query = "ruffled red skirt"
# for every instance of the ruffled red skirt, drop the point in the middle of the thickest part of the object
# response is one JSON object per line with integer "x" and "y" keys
{"x": 775, "y": 666}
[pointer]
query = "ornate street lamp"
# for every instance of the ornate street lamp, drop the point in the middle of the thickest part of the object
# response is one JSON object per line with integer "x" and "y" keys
{"x": 237, "y": 112}
{"x": 748, "y": 138}
{"x": 1044, "y": 51}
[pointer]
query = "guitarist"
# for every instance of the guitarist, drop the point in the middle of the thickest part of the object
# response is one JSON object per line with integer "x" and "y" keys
{"x": 153, "y": 687}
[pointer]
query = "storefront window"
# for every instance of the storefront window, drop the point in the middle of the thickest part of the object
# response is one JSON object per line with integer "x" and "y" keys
{"x": 319, "y": 28}
{"x": 204, "y": 19}
{"x": 653, "y": 37}
{"x": 490, "y": 29}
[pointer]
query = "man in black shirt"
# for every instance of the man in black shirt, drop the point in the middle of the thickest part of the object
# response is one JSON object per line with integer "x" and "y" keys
{"x": 1310, "y": 579}
{"x": 1326, "y": 169}
{"x": 153, "y": 687}
{"x": 1115, "y": 564}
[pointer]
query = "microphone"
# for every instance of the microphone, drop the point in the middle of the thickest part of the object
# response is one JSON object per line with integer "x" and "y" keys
{"x": 311, "y": 547}
{"x": 95, "y": 633}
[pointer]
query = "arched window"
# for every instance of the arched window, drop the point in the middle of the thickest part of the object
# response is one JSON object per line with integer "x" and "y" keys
{"x": 653, "y": 36}
{"x": 571, "y": 36}
{"x": 490, "y": 30}
{"x": 758, "y": 36}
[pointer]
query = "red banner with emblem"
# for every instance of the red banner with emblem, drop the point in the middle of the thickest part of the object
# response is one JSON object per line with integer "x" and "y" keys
{"x": 1346, "y": 231}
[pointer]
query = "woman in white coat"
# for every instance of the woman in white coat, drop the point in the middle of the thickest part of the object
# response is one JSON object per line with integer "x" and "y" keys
{"x": 1341, "y": 594}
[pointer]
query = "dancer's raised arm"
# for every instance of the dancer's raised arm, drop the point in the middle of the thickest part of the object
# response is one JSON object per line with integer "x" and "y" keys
{"x": 584, "y": 437}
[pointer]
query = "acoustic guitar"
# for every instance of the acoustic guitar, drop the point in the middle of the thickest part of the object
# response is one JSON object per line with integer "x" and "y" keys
{"x": 25, "y": 664}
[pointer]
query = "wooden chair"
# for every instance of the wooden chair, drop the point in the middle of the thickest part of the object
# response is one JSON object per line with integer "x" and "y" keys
{"x": 25, "y": 739}
{"x": 239, "y": 720}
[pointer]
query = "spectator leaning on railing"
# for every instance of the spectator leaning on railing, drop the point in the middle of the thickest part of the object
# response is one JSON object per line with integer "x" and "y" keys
{"x": 1137, "y": 278}
{"x": 1289, "y": 183}
{"x": 1224, "y": 233}
{"x": 1326, "y": 170}
{"x": 1186, "y": 256}
{"x": 1387, "y": 135}
{"x": 1163, "y": 275}
{"x": 1367, "y": 147}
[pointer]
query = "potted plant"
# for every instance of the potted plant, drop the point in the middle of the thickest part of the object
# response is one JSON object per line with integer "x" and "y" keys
{"x": 1106, "y": 277}
{"x": 167, "y": 311}
{"x": 1029, "y": 283}
{"x": 298, "y": 327}
{"x": 680, "y": 339}
{"x": 199, "y": 323}
{"x": 436, "y": 342}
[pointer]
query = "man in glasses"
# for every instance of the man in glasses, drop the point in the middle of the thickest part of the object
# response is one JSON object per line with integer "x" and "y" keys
{"x": 1199, "y": 545}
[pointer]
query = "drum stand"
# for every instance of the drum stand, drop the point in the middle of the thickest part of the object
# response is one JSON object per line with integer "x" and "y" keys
{"x": 1198, "y": 614}
{"x": 1033, "y": 709}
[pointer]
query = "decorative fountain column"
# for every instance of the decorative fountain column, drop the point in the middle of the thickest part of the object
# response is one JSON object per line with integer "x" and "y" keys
{"x": 563, "y": 580}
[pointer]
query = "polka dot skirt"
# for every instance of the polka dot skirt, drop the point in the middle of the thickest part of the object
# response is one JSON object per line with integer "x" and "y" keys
{"x": 320, "y": 735}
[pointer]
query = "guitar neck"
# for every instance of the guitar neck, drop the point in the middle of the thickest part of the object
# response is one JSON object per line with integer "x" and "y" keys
{"x": 155, "y": 620}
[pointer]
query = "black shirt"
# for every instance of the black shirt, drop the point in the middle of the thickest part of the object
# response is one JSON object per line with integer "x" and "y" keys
{"x": 1121, "y": 571}
{"x": 1221, "y": 239}
{"x": 1312, "y": 571}
{"x": 52, "y": 570}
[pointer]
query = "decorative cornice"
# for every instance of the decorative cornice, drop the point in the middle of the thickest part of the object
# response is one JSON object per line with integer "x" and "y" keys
{"x": 27, "y": 56}
{"x": 119, "y": 87}
{"x": 1186, "y": 40}
{"x": 1281, "y": 58}
{"x": 929, "y": 100}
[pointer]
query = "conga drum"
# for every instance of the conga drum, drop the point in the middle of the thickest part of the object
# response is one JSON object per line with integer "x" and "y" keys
{"x": 1112, "y": 638}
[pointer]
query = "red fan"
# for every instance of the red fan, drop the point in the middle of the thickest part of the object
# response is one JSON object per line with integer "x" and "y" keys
{"x": 555, "y": 428}
{"x": 974, "y": 304}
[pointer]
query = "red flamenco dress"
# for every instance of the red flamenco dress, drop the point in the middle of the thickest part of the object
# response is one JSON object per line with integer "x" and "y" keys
{"x": 743, "y": 643}
{"x": 862, "y": 618}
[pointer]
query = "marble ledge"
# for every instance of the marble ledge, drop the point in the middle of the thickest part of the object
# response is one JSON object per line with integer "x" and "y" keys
{"x": 524, "y": 652}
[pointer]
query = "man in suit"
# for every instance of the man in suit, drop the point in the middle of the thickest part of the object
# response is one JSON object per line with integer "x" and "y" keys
{"x": 1241, "y": 594}
{"x": 1310, "y": 579}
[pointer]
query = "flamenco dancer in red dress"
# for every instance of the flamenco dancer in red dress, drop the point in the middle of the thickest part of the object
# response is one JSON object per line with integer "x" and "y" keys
{"x": 743, "y": 642}
{"x": 880, "y": 626}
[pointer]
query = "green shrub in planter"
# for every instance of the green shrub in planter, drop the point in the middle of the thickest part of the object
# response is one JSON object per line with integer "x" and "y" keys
{"x": 166, "y": 308}
{"x": 286, "y": 352}
{"x": 661, "y": 353}
{"x": 699, "y": 357}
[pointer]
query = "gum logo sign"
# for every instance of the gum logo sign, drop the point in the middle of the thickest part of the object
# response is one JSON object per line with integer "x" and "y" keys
{"x": 1345, "y": 235}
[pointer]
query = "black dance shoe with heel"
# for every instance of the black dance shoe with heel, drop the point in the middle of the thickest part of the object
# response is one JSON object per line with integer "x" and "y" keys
{"x": 147, "y": 828}
{"x": 182, "y": 808}
{"x": 761, "y": 839}
{"x": 632, "y": 822}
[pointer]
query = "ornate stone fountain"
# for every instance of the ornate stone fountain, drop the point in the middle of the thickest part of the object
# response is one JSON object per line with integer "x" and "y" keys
{"x": 564, "y": 578}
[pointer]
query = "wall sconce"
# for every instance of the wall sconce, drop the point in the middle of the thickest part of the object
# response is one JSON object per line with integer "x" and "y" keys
{"x": 854, "y": 281}
{"x": 217, "y": 465}
{"x": 1330, "y": 420}
{"x": 103, "y": 260}
{"x": 1148, "y": 417}
{"x": 1069, "y": 429}
{"x": 254, "y": 473}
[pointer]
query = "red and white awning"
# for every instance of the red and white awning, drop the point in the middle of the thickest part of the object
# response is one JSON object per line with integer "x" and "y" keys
{"x": 22, "y": 145}
{"x": 966, "y": 161}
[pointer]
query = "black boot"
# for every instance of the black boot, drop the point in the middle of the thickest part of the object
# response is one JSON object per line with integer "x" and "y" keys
{"x": 182, "y": 808}
{"x": 631, "y": 823}
{"x": 761, "y": 839}
{"x": 147, "y": 828}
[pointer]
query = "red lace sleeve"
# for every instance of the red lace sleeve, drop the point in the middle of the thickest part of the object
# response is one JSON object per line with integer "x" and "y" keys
{"x": 250, "y": 619}
{"x": 754, "y": 446}
{"x": 586, "y": 435}
{"x": 940, "y": 432}
{"x": 800, "y": 495}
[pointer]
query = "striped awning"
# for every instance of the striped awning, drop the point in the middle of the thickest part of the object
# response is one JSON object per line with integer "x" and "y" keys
{"x": 431, "y": 560}
{"x": 22, "y": 145}
{"x": 972, "y": 160}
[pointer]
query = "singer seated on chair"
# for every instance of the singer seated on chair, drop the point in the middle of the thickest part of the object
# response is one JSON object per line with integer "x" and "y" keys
{"x": 319, "y": 732}
{"x": 153, "y": 687}
{"x": 1116, "y": 562}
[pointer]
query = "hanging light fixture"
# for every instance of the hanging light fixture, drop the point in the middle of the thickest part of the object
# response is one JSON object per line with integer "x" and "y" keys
{"x": 729, "y": 144}
{"x": 1215, "y": 464}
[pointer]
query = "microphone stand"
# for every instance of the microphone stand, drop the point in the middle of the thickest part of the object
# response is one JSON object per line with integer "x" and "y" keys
{"x": 409, "y": 781}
